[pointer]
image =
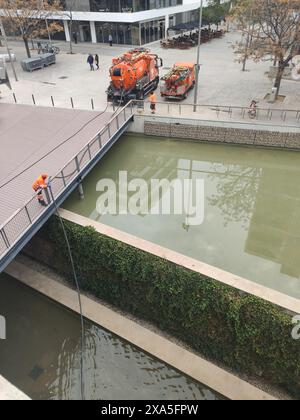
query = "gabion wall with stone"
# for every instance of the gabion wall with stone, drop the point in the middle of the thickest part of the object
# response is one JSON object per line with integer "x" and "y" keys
{"x": 223, "y": 134}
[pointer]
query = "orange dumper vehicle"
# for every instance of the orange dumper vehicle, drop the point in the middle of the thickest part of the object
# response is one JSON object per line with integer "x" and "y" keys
{"x": 179, "y": 81}
{"x": 133, "y": 76}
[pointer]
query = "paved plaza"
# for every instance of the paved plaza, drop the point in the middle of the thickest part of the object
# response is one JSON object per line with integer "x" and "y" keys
{"x": 221, "y": 82}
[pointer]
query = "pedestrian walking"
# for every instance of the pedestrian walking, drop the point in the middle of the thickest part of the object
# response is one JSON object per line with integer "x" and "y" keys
{"x": 110, "y": 40}
{"x": 97, "y": 61}
{"x": 90, "y": 60}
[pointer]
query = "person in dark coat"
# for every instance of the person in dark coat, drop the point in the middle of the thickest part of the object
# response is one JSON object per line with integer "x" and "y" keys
{"x": 90, "y": 60}
{"x": 97, "y": 61}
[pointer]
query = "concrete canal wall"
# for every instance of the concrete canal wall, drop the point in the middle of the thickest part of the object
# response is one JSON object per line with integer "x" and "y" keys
{"x": 9, "y": 392}
{"x": 214, "y": 312}
{"x": 261, "y": 135}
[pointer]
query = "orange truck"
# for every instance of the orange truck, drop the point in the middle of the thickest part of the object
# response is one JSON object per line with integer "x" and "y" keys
{"x": 178, "y": 81}
{"x": 133, "y": 75}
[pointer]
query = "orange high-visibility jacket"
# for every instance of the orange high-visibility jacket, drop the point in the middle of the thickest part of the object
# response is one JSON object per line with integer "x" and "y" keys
{"x": 153, "y": 98}
{"x": 40, "y": 182}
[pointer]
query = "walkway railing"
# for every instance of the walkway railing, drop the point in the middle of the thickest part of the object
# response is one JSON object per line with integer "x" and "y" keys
{"x": 278, "y": 116}
{"x": 15, "y": 227}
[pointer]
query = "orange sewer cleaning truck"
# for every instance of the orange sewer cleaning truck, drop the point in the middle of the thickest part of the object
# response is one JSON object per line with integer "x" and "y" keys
{"x": 178, "y": 81}
{"x": 133, "y": 75}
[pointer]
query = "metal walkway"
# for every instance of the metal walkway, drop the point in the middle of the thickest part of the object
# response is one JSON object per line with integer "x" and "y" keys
{"x": 72, "y": 160}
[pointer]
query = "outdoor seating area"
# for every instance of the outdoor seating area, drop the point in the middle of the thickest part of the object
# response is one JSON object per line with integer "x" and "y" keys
{"x": 186, "y": 41}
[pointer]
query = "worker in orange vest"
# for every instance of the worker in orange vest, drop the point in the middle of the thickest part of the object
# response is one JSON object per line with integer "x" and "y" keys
{"x": 153, "y": 102}
{"x": 39, "y": 185}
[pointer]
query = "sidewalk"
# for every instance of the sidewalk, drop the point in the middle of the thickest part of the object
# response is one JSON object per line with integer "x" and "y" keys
{"x": 221, "y": 80}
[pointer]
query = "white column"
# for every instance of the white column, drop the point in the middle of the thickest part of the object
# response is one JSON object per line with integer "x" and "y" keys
{"x": 167, "y": 24}
{"x": 93, "y": 32}
{"x": 67, "y": 32}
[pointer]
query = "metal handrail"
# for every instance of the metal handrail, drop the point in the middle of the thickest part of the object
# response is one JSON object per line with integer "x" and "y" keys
{"x": 213, "y": 106}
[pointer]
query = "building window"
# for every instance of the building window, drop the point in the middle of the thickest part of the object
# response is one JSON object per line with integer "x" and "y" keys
{"x": 128, "y": 6}
{"x": 113, "y": 6}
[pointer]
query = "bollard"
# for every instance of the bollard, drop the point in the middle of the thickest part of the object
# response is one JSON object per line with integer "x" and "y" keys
{"x": 52, "y": 100}
{"x": 93, "y": 105}
{"x": 15, "y": 99}
{"x": 72, "y": 103}
{"x": 33, "y": 100}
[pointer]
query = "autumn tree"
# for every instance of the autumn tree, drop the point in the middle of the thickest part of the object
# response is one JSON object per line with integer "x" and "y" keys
{"x": 216, "y": 11}
{"x": 272, "y": 32}
{"x": 27, "y": 18}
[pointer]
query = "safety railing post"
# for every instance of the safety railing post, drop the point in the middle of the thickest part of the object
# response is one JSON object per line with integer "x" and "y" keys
{"x": 63, "y": 178}
{"x": 77, "y": 164}
{"x": 100, "y": 141}
{"x": 89, "y": 150}
{"x": 47, "y": 194}
{"x": 28, "y": 215}
{"x": 4, "y": 237}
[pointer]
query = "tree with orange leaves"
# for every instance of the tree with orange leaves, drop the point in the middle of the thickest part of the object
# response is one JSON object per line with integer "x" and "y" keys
{"x": 27, "y": 18}
{"x": 272, "y": 30}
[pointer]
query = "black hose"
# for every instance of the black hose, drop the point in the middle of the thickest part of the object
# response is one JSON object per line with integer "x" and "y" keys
{"x": 78, "y": 294}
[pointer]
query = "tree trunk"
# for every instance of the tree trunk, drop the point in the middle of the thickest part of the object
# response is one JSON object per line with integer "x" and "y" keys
{"x": 278, "y": 79}
{"x": 25, "y": 39}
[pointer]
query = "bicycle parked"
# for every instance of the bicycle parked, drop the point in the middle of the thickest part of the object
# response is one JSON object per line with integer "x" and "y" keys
{"x": 44, "y": 48}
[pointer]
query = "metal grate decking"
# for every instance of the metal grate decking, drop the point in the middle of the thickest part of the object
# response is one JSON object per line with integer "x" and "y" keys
{"x": 27, "y": 134}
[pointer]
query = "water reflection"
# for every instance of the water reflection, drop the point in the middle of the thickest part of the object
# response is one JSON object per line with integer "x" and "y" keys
{"x": 251, "y": 225}
{"x": 41, "y": 356}
{"x": 236, "y": 190}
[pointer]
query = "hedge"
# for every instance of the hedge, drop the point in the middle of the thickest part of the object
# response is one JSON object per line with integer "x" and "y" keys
{"x": 223, "y": 324}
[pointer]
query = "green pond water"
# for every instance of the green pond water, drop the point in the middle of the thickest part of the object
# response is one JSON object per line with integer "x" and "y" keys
{"x": 41, "y": 356}
{"x": 252, "y": 205}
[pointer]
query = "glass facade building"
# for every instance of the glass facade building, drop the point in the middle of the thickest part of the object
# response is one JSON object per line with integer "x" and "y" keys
{"x": 125, "y": 31}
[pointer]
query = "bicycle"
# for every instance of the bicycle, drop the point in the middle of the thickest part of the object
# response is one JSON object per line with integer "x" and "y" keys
{"x": 47, "y": 48}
